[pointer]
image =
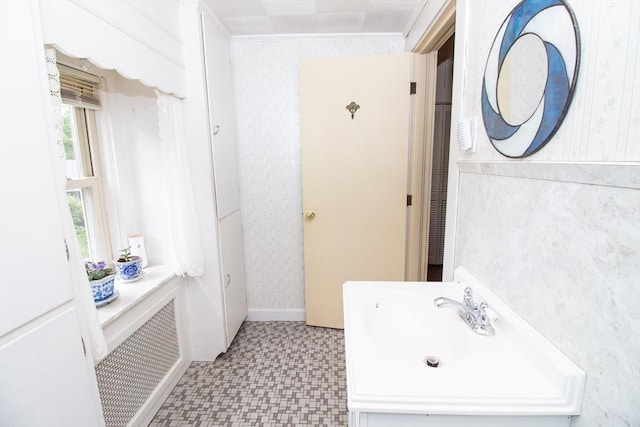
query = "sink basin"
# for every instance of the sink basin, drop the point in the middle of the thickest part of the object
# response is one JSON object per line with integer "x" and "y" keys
{"x": 386, "y": 319}
{"x": 516, "y": 375}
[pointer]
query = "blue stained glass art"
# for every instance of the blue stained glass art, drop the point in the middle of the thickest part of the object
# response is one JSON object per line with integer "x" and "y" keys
{"x": 530, "y": 76}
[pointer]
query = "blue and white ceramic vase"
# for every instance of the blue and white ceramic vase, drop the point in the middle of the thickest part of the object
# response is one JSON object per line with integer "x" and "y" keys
{"x": 129, "y": 270}
{"x": 102, "y": 288}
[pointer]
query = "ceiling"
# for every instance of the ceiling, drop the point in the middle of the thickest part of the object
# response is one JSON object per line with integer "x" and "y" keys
{"x": 253, "y": 17}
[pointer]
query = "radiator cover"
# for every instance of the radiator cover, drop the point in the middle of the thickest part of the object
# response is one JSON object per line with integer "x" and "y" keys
{"x": 130, "y": 373}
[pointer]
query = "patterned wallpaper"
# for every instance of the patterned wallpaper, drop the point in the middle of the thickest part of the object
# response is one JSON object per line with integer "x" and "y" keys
{"x": 268, "y": 122}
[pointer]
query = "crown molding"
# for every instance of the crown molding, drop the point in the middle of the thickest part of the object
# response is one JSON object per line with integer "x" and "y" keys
{"x": 318, "y": 36}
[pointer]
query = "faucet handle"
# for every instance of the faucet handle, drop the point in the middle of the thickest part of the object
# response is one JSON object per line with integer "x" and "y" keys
{"x": 487, "y": 312}
{"x": 468, "y": 298}
{"x": 483, "y": 308}
{"x": 483, "y": 318}
{"x": 484, "y": 323}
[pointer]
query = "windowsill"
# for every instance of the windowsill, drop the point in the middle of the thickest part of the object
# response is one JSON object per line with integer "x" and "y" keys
{"x": 133, "y": 293}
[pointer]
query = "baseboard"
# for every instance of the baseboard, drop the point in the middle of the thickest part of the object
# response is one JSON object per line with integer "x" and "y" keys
{"x": 145, "y": 414}
{"x": 270, "y": 314}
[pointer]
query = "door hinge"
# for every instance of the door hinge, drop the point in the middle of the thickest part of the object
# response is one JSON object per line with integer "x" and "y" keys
{"x": 412, "y": 88}
{"x": 409, "y": 199}
{"x": 66, "y": 249}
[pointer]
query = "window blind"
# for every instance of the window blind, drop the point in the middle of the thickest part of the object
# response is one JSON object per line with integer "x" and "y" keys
{"x": 78, "y": 88}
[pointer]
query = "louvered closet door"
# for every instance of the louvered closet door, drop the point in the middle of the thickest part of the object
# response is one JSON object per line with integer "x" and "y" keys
{"x": 438, "y": 206}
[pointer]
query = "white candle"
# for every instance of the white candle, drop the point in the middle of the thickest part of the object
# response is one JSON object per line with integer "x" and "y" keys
{"x": 136, "y": 242}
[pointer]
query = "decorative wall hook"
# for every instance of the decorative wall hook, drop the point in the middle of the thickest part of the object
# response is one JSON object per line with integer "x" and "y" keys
{"x": 353, "y": 107}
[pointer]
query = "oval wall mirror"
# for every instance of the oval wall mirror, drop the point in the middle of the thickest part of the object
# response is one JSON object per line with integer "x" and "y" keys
{"x": 530, "y": 76}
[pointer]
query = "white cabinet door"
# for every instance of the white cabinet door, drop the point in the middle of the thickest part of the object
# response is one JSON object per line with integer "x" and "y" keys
{"x": 217, "y": 55}
{"x": 233, "y": 276}
{"x": 34, "y": 272}
{"x": 44, "y": 380}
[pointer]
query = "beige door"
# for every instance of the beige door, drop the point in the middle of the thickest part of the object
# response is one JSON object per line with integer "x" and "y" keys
{"x": 354, "y": 175}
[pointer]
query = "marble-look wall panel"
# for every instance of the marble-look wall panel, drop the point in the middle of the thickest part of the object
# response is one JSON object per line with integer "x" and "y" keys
{"x": 268, "y": 122}
{"x": 566, "y": 257}
{"x": 557, "y": 235}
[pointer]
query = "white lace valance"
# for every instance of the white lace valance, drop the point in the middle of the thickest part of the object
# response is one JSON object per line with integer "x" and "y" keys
{"x": 115, "y": 36}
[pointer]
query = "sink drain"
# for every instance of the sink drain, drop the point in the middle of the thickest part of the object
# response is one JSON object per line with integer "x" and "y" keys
{"x": 432, "y": 361}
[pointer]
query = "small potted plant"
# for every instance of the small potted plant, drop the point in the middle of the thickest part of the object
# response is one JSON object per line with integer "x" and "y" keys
{"x": 101, "y": 278}
{"x": 128, "y": 267}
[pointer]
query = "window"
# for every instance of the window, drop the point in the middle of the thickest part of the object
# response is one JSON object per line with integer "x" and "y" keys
{"x": 80, "y": 141}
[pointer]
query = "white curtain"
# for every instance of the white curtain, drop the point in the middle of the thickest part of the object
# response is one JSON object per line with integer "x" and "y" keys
{"x": 185, "y": 231}
{"x": 82, "y": 291}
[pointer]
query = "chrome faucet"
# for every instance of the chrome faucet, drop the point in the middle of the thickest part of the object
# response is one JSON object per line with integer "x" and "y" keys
{"x": 473, "y": 315}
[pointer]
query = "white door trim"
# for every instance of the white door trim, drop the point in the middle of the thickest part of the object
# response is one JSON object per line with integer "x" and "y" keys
{"x": 430, "y": 31}
{"x": 422, "y": 132}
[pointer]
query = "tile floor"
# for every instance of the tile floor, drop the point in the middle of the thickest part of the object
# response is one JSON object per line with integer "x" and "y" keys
{"x": 274, "y": 374}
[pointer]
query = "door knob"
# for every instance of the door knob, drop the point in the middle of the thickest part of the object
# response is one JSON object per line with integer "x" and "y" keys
{"x": 310, "y": 215}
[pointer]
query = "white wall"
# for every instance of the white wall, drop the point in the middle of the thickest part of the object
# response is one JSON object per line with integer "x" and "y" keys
{"x": 130, "y": 140}
{"x": 268, "y": 122}
{"x": 560, "y": 242}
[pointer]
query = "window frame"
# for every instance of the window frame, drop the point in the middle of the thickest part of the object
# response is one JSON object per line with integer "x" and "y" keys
{"x": 90, "y": 182}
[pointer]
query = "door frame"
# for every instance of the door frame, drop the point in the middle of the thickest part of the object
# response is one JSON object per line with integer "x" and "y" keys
{"x": 440, "y": 29}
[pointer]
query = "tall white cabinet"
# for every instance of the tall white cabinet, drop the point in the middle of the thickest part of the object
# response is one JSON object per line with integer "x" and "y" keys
{"x": 222, "y": 128}
{"x": 218, "y": 302}
{"x": 46, "y": 376}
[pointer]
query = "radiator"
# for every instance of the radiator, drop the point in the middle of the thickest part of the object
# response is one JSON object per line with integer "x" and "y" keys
{"x": 130, "y": 373}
